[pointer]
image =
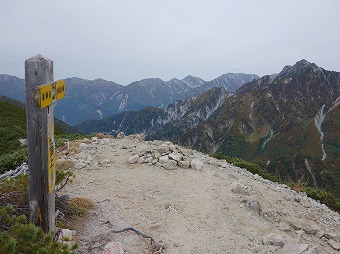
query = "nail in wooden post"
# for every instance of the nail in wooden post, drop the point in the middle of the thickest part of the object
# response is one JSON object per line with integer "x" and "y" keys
{"x": 39, "y": 71}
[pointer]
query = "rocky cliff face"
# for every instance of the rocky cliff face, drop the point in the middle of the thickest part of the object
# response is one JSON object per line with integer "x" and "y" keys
{"x": 167, "y": 123}
{"x": 288, "y": 122}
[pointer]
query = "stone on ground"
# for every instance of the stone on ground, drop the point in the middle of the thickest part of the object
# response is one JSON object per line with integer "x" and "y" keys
{"x": 133, "y": 159}
{"x": 197, "y": 164}
{"x": 273, "y": 239}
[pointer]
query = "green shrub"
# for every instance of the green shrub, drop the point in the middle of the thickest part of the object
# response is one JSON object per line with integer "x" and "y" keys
{"x": 251, "y": 167}
{"x": 324, "y": 197}
{"x": 72, "y": 136}
{"x": 60, "y": 142}
{"x": 11, "y": 160}
{"x": 19, "y": 236}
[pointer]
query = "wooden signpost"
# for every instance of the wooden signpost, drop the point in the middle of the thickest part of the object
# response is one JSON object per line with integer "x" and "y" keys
{"x": 41, "y": 93}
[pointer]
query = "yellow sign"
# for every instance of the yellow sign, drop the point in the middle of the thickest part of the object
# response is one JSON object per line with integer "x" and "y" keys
{"x": 51, "y": 157}
{"x": 49, "y": 93}
{"x": 60, "y": 89}
{"x": 45, "y": 92}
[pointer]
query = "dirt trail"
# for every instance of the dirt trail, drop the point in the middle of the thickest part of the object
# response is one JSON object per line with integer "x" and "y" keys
{"x": 187, "y": 211}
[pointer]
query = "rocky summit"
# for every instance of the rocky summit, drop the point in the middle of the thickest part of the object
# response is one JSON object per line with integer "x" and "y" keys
{"x": 188, "y": 202}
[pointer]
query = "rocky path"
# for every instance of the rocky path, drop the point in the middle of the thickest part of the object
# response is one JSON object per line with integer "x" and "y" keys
{"x": 202, "y": 206}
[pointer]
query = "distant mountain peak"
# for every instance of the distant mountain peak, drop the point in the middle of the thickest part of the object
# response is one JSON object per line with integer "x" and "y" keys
{"x": 298, "y": 66}
{"x": 100, "y": 79}
{"x": 193, "y": 81}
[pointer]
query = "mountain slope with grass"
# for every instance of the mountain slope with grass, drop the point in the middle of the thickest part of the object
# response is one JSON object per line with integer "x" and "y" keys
{"x": 13, "y": 125}
{"x": 289, "y": 123}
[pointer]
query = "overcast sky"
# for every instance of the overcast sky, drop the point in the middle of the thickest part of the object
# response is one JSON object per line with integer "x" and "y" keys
{"x": 129, "y": 40}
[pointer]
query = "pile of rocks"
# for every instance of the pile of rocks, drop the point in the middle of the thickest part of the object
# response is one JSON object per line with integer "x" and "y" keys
{"x": 167, "y": 155}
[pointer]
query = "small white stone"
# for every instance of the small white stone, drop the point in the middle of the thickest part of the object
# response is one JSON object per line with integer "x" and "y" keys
{"x": 104, "y": 163}
{"x": 163, "y": 148}
{"x": 184, "y": 164}
{"x": 197, "y": 164}
{"x": 175, "y": 156}
{"x": 82, "y": 146}
{"x": 163, "y": 159}
{"x": 273, "y": 239}
{"x": 79, "y": 165}
{"x": 239, "y": 188}
{"x": 170, "y": 165}
{"x": 133, "y": 159}
{"x": 148, "y": 160}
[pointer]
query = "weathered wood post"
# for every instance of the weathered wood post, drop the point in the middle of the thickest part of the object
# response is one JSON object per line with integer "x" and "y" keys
{"x": 40, "y": 126}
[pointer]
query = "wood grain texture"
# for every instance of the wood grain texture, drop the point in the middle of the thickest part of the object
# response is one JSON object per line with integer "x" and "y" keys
{"x": 38, "y": 71}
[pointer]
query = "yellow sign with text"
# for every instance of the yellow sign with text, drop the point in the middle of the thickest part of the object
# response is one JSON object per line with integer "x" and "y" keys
{"x": 45, "y": 95}
{"x": 49, "y": 93}
{"x": 60, "y": 89}
{"x": 51, "y": 157}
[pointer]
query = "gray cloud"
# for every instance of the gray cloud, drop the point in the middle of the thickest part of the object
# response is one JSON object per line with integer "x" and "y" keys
{"x": 128, "y": 40}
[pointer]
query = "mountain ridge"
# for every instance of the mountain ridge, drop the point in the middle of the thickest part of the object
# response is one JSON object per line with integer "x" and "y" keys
{"x": 96, "y": 99}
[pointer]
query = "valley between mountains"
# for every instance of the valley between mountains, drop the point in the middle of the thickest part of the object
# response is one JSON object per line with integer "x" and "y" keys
{"x": 202, "y": 206}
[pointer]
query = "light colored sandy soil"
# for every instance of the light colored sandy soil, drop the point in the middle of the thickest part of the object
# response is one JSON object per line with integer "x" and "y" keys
{"x": 187, "y": 211}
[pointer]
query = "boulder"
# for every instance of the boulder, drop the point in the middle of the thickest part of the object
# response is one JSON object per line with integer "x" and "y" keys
{"x": 273, "y": 239}
{"x": 311, "y": 229}
{"x": 163, "y": 148}
{"x": 163, "y": 159}
{"x": 184, "y": 164}
{"x": 175, "y": 156}
{"x": 173, "y": 148}
{"x": 294, "y": 223}
{"x": 141, "y": 160}
{"x": 133, "y": 159}
{"x": 170, "y": 165}
{"x": 197, "y": 164}
{"x": 185, "y": 152}
{"x": 156, "y": 154}
{"x": 254, "y": 205}
{"x": 239, "y": 188}
{"x": 148, "y": 160}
